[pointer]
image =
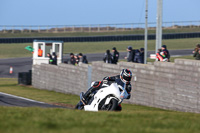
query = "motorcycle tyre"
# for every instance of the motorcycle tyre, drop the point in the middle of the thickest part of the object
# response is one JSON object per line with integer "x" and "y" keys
{"x": 78, "y": 106}
{"x": 114, "y": 105}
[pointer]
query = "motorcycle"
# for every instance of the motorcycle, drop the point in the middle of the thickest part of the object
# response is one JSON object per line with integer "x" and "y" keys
{"x": 108, "y": 97}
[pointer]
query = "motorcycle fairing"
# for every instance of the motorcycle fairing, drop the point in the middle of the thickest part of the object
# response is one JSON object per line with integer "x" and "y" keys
{"x": 111, "y": 90}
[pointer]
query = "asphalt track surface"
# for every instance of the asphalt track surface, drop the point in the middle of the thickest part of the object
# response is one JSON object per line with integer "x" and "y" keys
{"x": 25, "y": 64}
{"x": 11, "y": 100}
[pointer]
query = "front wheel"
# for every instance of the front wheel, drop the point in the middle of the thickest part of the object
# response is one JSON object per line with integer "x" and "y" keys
{"x": 113, "y": 104}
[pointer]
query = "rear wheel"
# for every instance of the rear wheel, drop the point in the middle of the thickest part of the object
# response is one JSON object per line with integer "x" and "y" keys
{"x": 111, "y": 106}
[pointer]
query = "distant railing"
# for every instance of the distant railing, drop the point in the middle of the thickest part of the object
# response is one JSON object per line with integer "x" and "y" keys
{"x": 95, "y": 27}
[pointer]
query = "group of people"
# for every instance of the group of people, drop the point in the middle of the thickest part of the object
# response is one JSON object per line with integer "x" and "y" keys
{"x": 163, "y": 54}
{"x": 111, "y": 58}
{"x": 135, "y": 55}
{"x": 78, "y": 59}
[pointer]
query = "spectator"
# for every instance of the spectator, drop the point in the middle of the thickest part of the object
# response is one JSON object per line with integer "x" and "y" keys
{"x": 72, "y": 59}
{"x": 50, "y": 58}
{"x": 54, "y": 57}
{"x": 166, "y": 53}
{"x": 76, "y": 59}
{"x": 137, "y": 56}
{"x": 130, "y": 54}
{"x": 158, "y": 55}
{"x": 115, "y": 55}
{"x": 142, "y": 55}
{"x": 40, "y": 52}
{"x": 196, "y": 49}
{"x": 108, "y": 57}
{"x": 196, "y": 52}
{"x": 82, "y": 58}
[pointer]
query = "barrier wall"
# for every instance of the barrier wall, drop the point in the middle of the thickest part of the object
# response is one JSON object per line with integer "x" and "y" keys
{"x": 164, "y": 85}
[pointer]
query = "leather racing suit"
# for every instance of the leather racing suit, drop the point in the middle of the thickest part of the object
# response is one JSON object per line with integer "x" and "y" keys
{"x": 107, "y": 80}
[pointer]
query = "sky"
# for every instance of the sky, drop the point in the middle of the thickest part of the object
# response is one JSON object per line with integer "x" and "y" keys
{"x": 79, "y": 12}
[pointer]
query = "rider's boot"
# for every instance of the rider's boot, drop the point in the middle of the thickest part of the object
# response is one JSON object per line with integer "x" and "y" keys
{"x": 95, "y": 86}
{"x": 84, "y": 99}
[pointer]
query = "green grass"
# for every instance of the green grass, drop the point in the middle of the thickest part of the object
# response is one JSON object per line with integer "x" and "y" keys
{"x": 10, "y": 86}
{"x": 17, "y": 50}
{"x": 132, "y": 119}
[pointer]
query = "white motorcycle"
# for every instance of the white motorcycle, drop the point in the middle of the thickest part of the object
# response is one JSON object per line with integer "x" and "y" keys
{"x": 108, "y": 97}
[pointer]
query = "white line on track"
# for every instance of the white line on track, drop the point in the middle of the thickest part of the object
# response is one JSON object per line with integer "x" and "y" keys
{"x": 21, "y": 98}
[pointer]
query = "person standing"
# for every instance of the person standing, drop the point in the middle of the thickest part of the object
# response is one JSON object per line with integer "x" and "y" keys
{"x": 108, "y": 57}
{"x": 54, "y": 59}
{"x": 129, "y": 56}
{"x": 82, "y": 58}
{"x": 159, "y": 57}
{"x": 50, "y": 58}
{"x": 142, "y": 55}
{"x": 40, "y": 52}
{"x": 72, "y": 59}
{"x": 137, "y": 56}
{"x": 76, "y": 59}
{"x": 165, "y": 52}
{"x": 115, "y": 55}
{"x": 196, "y": 52}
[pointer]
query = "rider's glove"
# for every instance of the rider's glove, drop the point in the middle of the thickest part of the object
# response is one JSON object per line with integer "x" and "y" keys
{"x": 128, "y": 88}
{"x": 109, "y": 78}
{"x": 106, "y": 78}
{"x": 105, "y": 81}
{"x": 129, "y": 96}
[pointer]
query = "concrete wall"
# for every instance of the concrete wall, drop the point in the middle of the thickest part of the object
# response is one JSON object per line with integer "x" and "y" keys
{"x": 164, "y": 85}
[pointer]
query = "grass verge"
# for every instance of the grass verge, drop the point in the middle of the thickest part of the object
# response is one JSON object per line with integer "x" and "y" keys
{"x": 17, "y": 50}
{"x": 133, "y": 118}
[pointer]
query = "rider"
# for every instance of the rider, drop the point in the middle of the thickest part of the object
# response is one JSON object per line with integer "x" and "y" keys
{"x": 124, "y": 80}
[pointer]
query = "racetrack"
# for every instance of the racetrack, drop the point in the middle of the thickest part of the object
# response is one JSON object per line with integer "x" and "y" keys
{"x": 11, "y": 100}
{"x": 25, "y": 64}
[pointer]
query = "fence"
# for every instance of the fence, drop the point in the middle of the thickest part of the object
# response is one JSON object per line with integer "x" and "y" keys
{"x": 101, "y": 38}
{"x": 164, "y": 85}
{"x": 139, "y": 27}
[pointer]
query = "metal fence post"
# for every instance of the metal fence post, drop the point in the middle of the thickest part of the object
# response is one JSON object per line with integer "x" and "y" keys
{"x": 4, "y": 29}
{"x": 64, "y": 29}
{"x": 81, "y": 28}
{"x": 89, "y": 28}
{"x": 131, "y": 26}
{"x": 98, "y": 28}
{"x": 13, "y": 29}
{"x": 38, "y": 29}
{"x": 199, "y": 24}
{"x": 47, "y": 29}
{"x": 22, "y": 30}
{"x": 29, "y": 29}
{"x": 56, "y": 29}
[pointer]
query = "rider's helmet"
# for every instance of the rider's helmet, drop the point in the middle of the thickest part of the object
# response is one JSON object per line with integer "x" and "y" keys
{"x": 126, "y": 75}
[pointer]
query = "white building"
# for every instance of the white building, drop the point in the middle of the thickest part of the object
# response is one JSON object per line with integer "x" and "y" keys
{"x": 43, "y": 47}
